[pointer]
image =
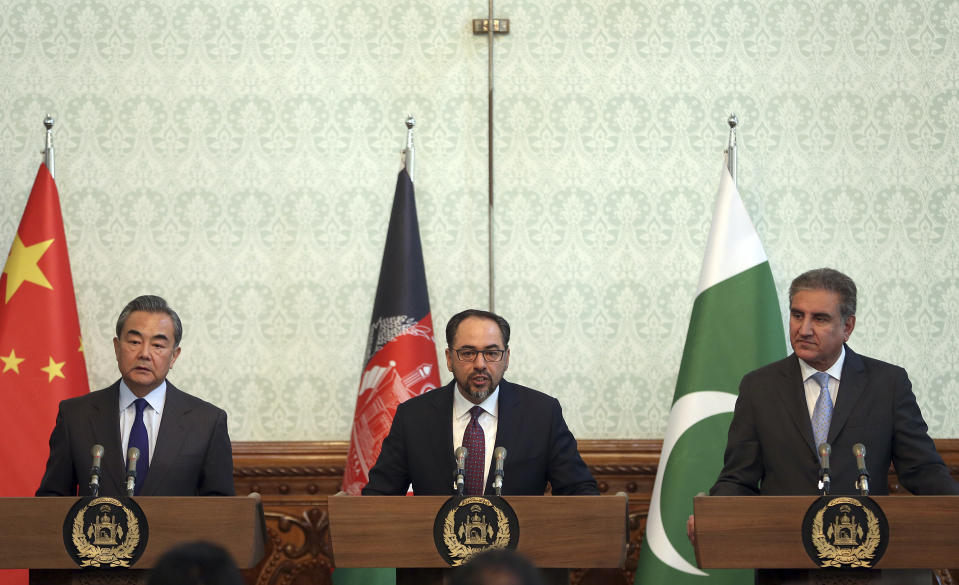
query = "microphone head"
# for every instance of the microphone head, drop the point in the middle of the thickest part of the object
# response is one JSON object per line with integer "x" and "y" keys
{"x": 825, "y": 450}
{"x": 460, "y": 454}
{"x": 499, "y": 453}
{"x": 859, "y": 450}
{"x": 96, "y": 451}
{"x": 132, "y": 455}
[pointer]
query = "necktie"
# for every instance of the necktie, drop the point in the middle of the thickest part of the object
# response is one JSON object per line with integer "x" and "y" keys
{"x": 140, "y": 440}
{"x": 475, "y": 442}
{"x": 822, "y": 413}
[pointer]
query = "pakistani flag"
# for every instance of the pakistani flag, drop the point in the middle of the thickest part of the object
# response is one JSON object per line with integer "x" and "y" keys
{"x": 735, "y": 327}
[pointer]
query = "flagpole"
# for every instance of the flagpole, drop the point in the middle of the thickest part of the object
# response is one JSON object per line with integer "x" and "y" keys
{"x": 409, "y": 153}
{"x": 732, "y": 155}
{"x": 48, "y": 150}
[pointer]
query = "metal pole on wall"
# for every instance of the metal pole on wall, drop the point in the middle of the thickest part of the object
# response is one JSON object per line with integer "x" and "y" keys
{"x": 490, "y": 26}
{"x": 48, "y": 148}
{"x": 732, "y": 156}
{"x": 489, "y": 36}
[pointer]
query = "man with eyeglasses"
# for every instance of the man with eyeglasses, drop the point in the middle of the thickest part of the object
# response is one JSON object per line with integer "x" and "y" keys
{"x": 481, "y": 411}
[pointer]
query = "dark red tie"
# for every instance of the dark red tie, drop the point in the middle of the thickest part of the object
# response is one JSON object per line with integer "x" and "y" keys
{"x": 475, "y": 442}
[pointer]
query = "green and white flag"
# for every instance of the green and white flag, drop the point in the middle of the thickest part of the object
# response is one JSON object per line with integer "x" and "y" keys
{"x": 735, "y": 327}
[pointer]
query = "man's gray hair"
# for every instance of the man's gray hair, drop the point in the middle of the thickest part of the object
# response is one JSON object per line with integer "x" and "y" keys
{"x": 151, "y": 304}
{"x": 831, "y": 280}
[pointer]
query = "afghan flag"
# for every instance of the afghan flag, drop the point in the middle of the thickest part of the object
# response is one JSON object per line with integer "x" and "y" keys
{"x": 41, "y": 352}
{"x": 735, "y": 327}
{"x": 400, "y": 360}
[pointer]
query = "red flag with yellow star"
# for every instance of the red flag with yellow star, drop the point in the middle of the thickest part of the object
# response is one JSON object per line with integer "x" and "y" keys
{"x": 41, "y": 353}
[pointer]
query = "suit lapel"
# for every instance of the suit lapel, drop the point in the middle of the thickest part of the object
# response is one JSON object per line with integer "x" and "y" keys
{"x": 105, "y": 427}
{"x": 442, "y": 434}
{"x": 173, "y": 430}
{"x": 507, "y": 425}
{"x": 851, "y": 386}
{"x": 793, "y": 394}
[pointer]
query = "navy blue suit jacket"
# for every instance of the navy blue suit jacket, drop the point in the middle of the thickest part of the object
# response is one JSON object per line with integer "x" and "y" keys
{"x": 771, "y": 450}
{"x": 193, "y": 455}
{"x": 540, "y": 448}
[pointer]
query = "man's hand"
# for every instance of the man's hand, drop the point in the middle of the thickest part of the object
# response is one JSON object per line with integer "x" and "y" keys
{"x": 691, "y": 529}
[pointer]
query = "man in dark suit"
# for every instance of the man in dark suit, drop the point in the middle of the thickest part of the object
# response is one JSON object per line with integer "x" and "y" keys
{"x": 185, "y": 450}
{"x": 772, "y": 447}
{"x": 481, "y": 409}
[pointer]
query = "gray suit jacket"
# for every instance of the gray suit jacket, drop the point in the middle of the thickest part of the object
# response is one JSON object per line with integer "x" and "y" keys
{"x": 771, "y": 451}
{"x": 192, "y": 457}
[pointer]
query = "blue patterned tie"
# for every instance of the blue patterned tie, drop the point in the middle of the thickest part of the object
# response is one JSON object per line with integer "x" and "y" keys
{"x": 140, "y": 440}
{"x": 475, "y": 442}
{"x": 822, "y": 413}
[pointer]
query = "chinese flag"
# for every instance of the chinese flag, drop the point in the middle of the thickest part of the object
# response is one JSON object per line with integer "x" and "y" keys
{"x": 400, "y": 359}
{"x": 41, "y": 353}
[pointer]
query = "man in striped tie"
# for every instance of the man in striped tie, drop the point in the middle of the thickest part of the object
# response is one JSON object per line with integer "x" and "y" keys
{"x": 481, "y": 411}
{"x": 183, "y": 441}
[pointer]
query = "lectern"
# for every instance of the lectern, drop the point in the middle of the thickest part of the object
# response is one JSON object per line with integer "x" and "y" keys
{"x": 555, "y": 532}
{"x": 31, "y": 532}
{"x": 765, "y": 532}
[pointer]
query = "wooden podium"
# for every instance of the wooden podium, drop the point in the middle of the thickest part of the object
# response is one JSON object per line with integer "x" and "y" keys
{"x": 764, "y": 532}
{"x": 31, "y": 532}
{"x": 555, "y": 532}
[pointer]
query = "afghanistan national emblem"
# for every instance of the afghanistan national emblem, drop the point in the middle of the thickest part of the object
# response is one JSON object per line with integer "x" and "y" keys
{"x": 847, "y": 531}
{"x": 469, "y": 525}
{"x": 105, "y": 532}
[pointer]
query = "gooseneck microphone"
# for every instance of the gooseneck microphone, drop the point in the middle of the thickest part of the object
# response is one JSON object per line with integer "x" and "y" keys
{"x": 824, "y": 481}
{"x": 460, "y": 455}
{"x": 97, "y": 452}
{"x": 499, "y": 456}
{"x": 859, "y": 450}
{"x": 133, "y": 454}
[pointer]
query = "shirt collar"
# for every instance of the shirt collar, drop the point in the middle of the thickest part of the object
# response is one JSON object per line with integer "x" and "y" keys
{"x": 156, "y": 398}
{"x": 834, "y": 371}
{"x": 462, "y": 406}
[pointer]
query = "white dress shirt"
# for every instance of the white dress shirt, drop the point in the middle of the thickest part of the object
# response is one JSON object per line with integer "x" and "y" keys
{"x": 487, "y": 420}
{"x": 812, "y": 386}
{"x": 152, "y": 414}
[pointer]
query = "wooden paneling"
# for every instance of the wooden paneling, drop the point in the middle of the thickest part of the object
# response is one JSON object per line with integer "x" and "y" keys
{"x": 295, "y": 478}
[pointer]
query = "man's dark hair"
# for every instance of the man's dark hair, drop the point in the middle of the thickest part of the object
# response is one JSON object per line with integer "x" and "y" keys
{"x": 196, "y": 563}
{"x": 831, "y": 280}
{"x": 497, "y": 567}
{"x": 151, "y": 304}
{"x": 453, "y": 324}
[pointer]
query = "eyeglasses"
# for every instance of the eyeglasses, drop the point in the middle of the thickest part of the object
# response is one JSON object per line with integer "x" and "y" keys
{"x": 469, "y": 355}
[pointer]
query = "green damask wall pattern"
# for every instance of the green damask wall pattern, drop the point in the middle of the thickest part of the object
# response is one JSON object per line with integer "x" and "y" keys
{"x": 239, "y": 158}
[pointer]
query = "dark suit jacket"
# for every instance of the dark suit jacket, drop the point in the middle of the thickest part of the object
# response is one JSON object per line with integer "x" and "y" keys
{"x": 770, "y": 449}
{"x": 539, "y": 447}
{"x": 192, "y": 457}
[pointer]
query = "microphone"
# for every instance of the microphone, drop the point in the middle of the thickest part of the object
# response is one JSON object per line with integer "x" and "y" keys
{"x": 824, "y": 451}
{"x": 499, "y": 455}
{"x": 133, "y": 454}
{"x": 859, "y": 450}
{"x": 460, "y": 455}
{"x": 97, "y": 452}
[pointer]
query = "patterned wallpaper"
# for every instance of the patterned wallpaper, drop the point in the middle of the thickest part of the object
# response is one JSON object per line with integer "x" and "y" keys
{"x": 239, "y": 158}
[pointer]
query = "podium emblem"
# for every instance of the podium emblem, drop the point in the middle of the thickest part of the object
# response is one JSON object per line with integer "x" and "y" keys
{"x": 845, "y": 532}
{"x": 469, "y": 525}
{"x": 105, "y": 532}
